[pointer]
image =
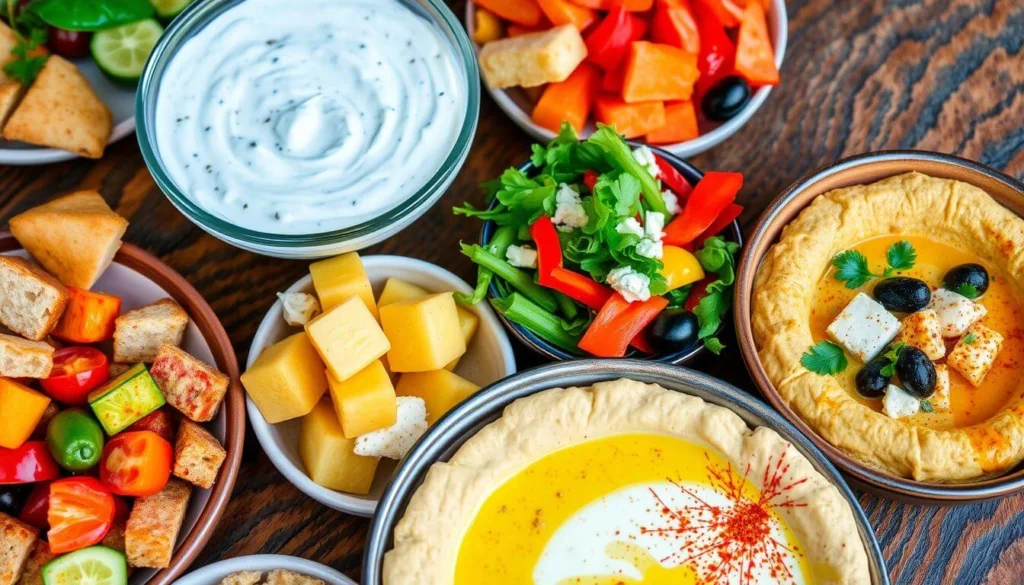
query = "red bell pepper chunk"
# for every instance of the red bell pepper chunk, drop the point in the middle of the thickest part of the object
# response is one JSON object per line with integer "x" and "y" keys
{"x": 709, "y": 198}
{"x": 717, "y": 51}
{"x": 28, "y": 463}
{"x": 618, "y": 323}
{"x": 580, "y": 288}
{"x": 674, "y": 179}
{"x": 698, "y": 292}
{"x": 549, "y": 249}
{"x": 727, "y": 11}
{"x": 728, "y": 215}
{"x": 608, "y": 42}
{"x": 590, "y": 179}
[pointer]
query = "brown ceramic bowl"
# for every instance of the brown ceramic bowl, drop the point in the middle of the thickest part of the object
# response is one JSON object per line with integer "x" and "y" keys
{"x": 858, "y": 170}
{"x": 140, "y": 278}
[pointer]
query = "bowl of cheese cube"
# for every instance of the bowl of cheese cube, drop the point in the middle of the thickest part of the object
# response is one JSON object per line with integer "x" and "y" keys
{"x": 355, "y": 361}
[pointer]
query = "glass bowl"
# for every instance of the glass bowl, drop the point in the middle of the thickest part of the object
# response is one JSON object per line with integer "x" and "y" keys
{"x": 316, "y": 245}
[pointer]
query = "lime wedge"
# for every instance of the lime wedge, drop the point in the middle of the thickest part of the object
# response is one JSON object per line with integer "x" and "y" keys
{"x": 96, "y": 565}
{"x": 121, "y": 52}
{"x": 168, "y": 9}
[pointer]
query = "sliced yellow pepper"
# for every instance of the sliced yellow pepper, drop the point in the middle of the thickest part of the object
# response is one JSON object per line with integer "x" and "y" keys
{"x": 680, "y": 267}
{"x": 488, "y": 27}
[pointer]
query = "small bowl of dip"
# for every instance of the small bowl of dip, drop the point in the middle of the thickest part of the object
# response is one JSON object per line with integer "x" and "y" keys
{"x": 312, "y": 127}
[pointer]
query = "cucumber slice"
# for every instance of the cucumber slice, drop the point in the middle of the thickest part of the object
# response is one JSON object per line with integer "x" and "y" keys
{"x": 121, "y": 52}
{"x": 96, "y": 565}
{"x": 125, "y": 399}
{"x": 166, "y": 10}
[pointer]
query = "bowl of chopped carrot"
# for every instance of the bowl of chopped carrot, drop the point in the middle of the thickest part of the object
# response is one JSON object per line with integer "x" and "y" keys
{"x": 680, "y": 74}
{"x": 605, "y": 248}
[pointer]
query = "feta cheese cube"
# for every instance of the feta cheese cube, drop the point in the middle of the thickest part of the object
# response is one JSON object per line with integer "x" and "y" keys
{"x": 975, "y": 353}
{"x": 898, "y": 403}
{"x": 671, "y": 201}
{"x": 569, "y": 212}
{"x": 956, "y": 312}
{"x": 940, "y": 400}
{"x": 645, "y": 156}
{"x": 650, "y": 248}
{"x": 630, "y": 226}
{"x": 654, "y": 224}
{"x": 924, "y": 331}
{"x": 298, "y": 308}
{"x": 394, "y": 442}
{"x": 521, "y": 256}
{"x": 864, "y": 327}
{"x": 632, "y": 285}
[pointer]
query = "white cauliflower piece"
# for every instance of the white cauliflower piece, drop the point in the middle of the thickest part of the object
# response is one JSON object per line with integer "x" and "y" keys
{"x": 298, "y": 308}
{"x": 395, "y": 441}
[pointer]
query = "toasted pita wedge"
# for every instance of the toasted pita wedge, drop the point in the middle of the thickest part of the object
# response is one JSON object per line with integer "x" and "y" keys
{"x": 7, "y": 42}
{"x": 61, "y": 110}
{"x": 74, "y": 237}
{"x": 10, "y": 95}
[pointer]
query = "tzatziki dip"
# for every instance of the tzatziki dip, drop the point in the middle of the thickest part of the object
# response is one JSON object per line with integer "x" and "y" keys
{"x": 308, "y": 116}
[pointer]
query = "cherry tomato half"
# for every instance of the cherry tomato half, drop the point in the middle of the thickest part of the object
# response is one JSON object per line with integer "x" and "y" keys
{"x": 160, "y": 421}
{"x": 81, "y": 513}
{"x": 136, "y": 464}
{"x": 71, "y": 44}
{"x": 37, "y": 507}
{"x": 76, "y": 371}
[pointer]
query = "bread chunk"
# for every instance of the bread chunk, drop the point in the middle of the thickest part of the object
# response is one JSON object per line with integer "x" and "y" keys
{"x": 243, "y": 578}
{"x": 198, "y": 455}
{"x": 37, "y": 559}
{"x": 138, "y": 334}
{"x": 532, "y": 59}
{"x": 21, "y": 358}
{"x": 285, "y": 577}
{"x": 31, "y": 301}
{"x": 153, "y": 526}
{"x": 188, "y": 384}
{"x": 16, "y": 542}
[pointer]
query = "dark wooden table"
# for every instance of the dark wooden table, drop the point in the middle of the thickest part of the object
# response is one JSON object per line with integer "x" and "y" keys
{"x": 860, "y": 75}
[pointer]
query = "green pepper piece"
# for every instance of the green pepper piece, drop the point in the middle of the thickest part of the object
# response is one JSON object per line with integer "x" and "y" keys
{"x": 75, "y": 440}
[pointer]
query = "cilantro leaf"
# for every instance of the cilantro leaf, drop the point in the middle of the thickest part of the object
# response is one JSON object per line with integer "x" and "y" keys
{"x": 852, "y": 268}
{"x": 968, "y": 290}
{"x": 970, "y": 338}
{"x": 824, "y": 358}
{"x": 717, "y": 257}
{"x": 709, "y": 312}
{"x": 714, "y": 345}
{"x": 926, "y": 405}
{"x": 28, "y": 55}
{"x": 892, "y": 355}
{"x": 901, "y": 256}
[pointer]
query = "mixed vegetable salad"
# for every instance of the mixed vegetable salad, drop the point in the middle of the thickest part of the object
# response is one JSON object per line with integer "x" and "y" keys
{"x": 599, "y": 248}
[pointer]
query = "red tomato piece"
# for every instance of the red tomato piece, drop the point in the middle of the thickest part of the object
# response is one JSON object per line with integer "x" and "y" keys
{"x": 31, "y": 462}
{"x": 37, "y": 507}
{"x": 160, "y": 421}
{"x": 76, "y": 371}
{"x": 698, "y": 292}
{"x": 89, "y": 317}
{"x": 81, "y": 513}
{"x": 136, "y": 464}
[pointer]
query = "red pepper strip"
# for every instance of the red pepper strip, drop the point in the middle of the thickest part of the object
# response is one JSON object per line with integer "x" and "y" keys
{"x": 717, "y": 52}
{"x": 698, "y": 292}
{"x": 608, "y": 42}
{"x": 549, "y": 249}
{"x": 618, "y": 323}
{"x": 28, "y": 463}
{"x": 580, "y": 288}
{"x": 728, "y": 215}
{"x": 674, "y": 180}
{"x": 642, "y": 343}
{"x": 710, "y": 198}
{"x": 590, "y": 179}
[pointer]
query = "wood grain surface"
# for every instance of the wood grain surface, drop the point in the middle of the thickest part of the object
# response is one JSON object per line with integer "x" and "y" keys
{"x": 859, "y": 75}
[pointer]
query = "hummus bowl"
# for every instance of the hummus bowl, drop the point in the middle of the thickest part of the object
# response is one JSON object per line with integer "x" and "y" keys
{"x": 849, "y": 232}
{"x": 537, "y": 470}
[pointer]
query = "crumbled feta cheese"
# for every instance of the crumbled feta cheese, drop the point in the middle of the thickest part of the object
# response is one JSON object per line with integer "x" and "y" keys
{"x": 654, "y": 223}
{"x": 521, "y": 256}
{"x": 630, "y": 226}
{"x": 940, "y": 400}
{"x": 924, "y": 331}
{"x": 975, "y": 353}
{"x": 899, "y": 403}
{"x": 956, "y": 312}
{"x": 298, "y": 308}
{"x": 569, "y": 212}
{"x": 395, "y": 441}
{"x": 632, "y": 285}
{"x": 864, "y": 327}
{"x": 649, "y": 248}
{"x": 645, "y": 156}
{"x": 671, "y": 201}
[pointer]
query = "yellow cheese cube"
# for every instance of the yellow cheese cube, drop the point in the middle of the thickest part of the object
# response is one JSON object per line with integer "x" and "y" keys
{"x": 365, "y": 402}
{"x": 532, "y": 59}
{"x": 336, "y": 279}
{"x": 348, "y": 338}
{"x": 440, "y": 389}
{"x": 424, "y": 333}
{"x": 396, "y": 290}
{"x": 468, "y": 322}
{"x": 329, "y": 456}
{"x": 287, "y": 380}
{"x": 22, "y": 409}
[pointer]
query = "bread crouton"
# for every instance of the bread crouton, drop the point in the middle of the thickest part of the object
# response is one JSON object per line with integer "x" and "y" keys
{"x": 21, "y": 358}
{"x": 61, "y": 110}
{"x": 31, "y": 301}
{"x": 37, "y": 559}
{"x": 8, "y": 41}
{"x": 16, "y": 542}
{"x": 10, "y": 95}
{"x": 923, "y": 330}
{"x": 243, "y": 578}
{"x": 975, "y": 353}
{"x": 285, "y": 577}
{"x": 74, "y": 237}
{"x": 188, "y": 384}
{"x": 198, "y": 455}
{"x": 153, "y": 526}
{"x": 532, "y": 59}
{"x": 138, "y": 334}
{"x": 115, "y": 537}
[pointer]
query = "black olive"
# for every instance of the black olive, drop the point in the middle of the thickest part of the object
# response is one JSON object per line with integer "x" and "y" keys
{"x": 725, "y": 99}
{"x": 973, "y": 276}
{"x": 674, "y": 330}
{"x": 871, "y": 383}
{"x": 12, "y": 498}
{"x": 903, "y": 294}
{"x": 916, "y": 372}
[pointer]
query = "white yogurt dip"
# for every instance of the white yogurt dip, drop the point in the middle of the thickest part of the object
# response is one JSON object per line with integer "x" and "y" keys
{"x": 307, "y": 116}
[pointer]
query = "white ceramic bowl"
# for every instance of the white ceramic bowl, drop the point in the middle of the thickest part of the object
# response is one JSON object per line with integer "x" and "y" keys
{"x": 518, "y": 106}
{"x": 489, "y": 358}
{"x": 212, "y": 574}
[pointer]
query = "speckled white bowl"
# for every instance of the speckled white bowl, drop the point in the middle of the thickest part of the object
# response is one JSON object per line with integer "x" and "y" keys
{"x": 212, "y": 574}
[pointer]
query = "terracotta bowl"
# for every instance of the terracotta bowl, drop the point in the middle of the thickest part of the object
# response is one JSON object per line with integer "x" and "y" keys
{"x": 140, "y": 278}
{"x": 858, "y": 170}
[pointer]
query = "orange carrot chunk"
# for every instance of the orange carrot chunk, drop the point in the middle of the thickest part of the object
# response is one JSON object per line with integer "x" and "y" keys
{"x": 659, "y": 72}
{"x": 634, "y": 5}
{"x": 561, "y": 12}
{"x": 755, "y": 58}
{"x": 680, "y": 124}
{"x": 568, "y": 100}
{"x": 524, "y": 12}
{"x": 630, "y": 120}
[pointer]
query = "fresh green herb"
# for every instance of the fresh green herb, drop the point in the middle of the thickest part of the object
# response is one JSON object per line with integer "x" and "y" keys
{"x": 30, "y": 34}
{"x": 966, "y": 289}
{"x": 718, "y": 256}
{"x": 677, "y": 297}
{"x": 91, "y": 15}
{"x": 970, "y": 338}
{"x": 524, "y": 312}
{"x": 824, "y": 358}
{"x": 852, "y": 266}
{"x": 926, "y": 405}
{"x": 892, "y": 356}
{"x": 621, "y": 157}
{"x": 521, "y": 281}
